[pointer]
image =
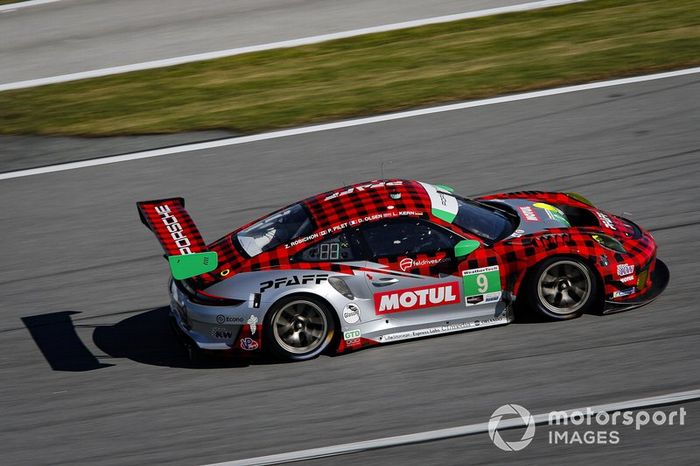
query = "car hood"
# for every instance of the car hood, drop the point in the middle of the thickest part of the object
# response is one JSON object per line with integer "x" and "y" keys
{"x": 535, "y": 216}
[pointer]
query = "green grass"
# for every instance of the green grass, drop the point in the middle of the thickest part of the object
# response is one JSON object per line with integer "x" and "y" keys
{"x": 371, "y": 74}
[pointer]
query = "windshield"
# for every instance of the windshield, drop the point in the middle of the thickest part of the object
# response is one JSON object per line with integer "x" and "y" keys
{"x": 482, "y": 220}
{"x": 278, "y": 228}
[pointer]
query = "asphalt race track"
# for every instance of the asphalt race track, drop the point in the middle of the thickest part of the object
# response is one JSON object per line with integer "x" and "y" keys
{"x": 90, "y": 374}
{"x": 81, "y": 35}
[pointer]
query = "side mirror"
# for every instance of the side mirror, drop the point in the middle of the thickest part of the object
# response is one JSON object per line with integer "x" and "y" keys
{"x": 190, "y": 265}
{"x": 466, "y": 247}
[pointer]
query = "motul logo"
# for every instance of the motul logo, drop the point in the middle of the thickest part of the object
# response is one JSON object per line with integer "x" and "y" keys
{"x": 416, "y": 298}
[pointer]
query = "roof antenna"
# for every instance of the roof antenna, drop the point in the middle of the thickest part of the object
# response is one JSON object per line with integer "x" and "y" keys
{"x": 381, "y": 167}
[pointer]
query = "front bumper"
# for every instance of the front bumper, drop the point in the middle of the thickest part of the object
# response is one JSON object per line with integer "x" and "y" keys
{"x": 660, "y": 277}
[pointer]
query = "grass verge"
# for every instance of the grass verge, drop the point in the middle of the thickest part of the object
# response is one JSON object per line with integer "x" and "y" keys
{"x": 371, "y": 74}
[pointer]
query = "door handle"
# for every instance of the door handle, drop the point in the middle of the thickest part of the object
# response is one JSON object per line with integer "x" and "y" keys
{"x": 385, "y": 281}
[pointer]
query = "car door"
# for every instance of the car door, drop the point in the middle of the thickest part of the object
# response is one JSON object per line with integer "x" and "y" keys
{"x": 412, "y": 272}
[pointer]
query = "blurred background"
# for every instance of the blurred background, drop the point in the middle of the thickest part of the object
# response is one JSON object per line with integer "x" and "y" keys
{"x": 107, "y": 102}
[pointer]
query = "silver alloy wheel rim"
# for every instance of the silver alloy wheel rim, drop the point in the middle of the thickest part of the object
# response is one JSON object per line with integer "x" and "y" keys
{"x": 564, "y": 287}
{"x": 299, "y": 327}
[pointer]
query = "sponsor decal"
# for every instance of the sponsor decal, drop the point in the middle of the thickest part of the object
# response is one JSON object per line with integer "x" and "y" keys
{"x": 408, "y": 263}
{"x": 625, "y": 292}
{"x": 248, "y": 344}
{"x": 351, "y": 313}
{"x": 625, "y": 269}
{"x": 605, "y": 220}
{"x": 472, "y": 300}
{"x": 552, "y": 212}
{"x": 557, "y": 216}
{"x": 443, "y": 205}
{"x": 529, "y": 213}
{"x": 252, "y": 321}
{"x": 627, "y": 279}
{"x": 291, "y": 281}
{"x": 352, "y": 336}
{"x": 363, "y": 187}
{"x": 518, "y": 233}
{"x": 174, "y": 228}
{"x": 222, "y": 319}
{"x": 221, "y": 333}
{"x": 411, "y": 299}
{"x": 482, "y": 285}
{"x": 424, "y": 332}
{"x": 254, "y": 300}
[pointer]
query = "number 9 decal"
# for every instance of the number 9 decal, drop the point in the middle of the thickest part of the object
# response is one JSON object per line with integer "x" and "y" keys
{"x": 482, "y": 283}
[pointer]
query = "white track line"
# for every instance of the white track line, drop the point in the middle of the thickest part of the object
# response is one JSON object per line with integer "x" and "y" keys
{"x": 278, "y": 45}
{"x": 460, "y": 431}
{"x": 18, "y": 5}
{"x": 337, "y": 125}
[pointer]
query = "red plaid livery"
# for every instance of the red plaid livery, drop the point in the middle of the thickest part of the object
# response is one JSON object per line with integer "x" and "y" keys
{"x": 346, "y": 207}
{"x": 172, "y": 225}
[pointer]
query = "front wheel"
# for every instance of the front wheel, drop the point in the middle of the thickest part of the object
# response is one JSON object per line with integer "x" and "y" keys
{"x": 562, "y": 288}
{"x": 299, "y": 328}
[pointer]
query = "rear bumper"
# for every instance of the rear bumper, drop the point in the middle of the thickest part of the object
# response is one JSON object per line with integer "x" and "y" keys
{"x": 659, "y": 280}
{"x": 200, "y": 339}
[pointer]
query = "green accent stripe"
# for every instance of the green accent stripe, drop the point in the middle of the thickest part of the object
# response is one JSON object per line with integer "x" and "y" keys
{"x": 443, "y": 187}
{"x": 443, "y": 215}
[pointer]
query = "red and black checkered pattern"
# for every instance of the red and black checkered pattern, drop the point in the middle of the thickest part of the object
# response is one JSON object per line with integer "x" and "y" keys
{"x": 520, "y": 254}
{"x": 332, "y": 211}
{"x": 353, "y": 205}
{"x": 172, "y": 225}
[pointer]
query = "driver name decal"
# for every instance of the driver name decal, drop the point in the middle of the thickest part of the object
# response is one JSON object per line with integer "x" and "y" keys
{"x": 412, "y": 299}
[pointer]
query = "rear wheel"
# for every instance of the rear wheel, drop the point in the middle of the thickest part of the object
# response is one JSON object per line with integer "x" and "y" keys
{"x": 562, "y": 288}
{"x": 299, "y": 328}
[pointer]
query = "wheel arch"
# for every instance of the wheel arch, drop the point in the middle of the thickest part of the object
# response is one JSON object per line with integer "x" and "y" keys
{"x": 306, "y": 294}
{"x": 590, "y": 262}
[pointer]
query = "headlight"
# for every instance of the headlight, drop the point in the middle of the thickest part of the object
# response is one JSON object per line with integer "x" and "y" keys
{"x": 341, "y": 287}
{"x": 642, "y": 279}
{"x": 609, "y": 243}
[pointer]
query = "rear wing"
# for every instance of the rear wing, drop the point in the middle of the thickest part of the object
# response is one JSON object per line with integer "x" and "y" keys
{"x": 178, "y": 235}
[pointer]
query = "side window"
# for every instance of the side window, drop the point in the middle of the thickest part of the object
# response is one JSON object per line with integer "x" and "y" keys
{"x": 406, "y": 237}
{"x": 336, "y": 248}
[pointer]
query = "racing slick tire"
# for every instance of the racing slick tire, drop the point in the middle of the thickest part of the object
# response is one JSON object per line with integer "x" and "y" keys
{"x": 562, "y": 288}
{"x": 298, "y": 328}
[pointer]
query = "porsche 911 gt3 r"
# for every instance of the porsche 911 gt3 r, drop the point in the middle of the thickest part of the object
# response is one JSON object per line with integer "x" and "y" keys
{"x": 391, "y": 260}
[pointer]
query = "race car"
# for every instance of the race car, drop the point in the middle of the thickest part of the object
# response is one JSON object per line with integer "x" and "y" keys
{"x": 390, "y": 260}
